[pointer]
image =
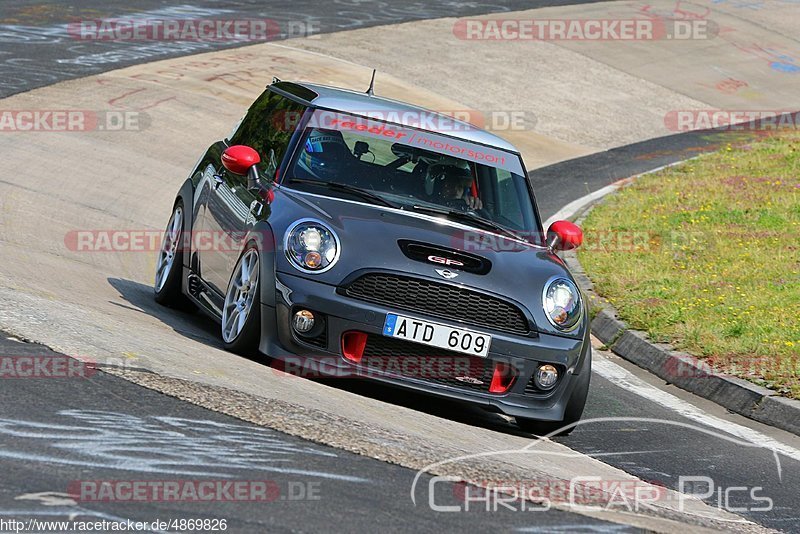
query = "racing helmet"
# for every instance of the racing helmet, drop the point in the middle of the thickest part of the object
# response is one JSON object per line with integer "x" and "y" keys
{"x": 325, "y": 153}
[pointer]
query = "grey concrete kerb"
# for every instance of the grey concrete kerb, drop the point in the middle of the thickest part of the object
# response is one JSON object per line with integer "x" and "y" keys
{"x": 678, "y": 368}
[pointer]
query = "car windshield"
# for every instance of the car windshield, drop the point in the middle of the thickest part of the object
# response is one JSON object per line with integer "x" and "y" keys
{"x": 414, "y": 169}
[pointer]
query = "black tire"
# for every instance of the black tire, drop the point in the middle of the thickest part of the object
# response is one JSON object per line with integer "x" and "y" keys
{"x": 170, "y": 293}
{"x": 247, "y": 340}
{"x": 572, "y": 414}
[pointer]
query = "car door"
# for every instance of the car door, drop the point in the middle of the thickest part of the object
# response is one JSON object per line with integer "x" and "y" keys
{"x": 234, "y": 204}
{"x": 225, "y": 226}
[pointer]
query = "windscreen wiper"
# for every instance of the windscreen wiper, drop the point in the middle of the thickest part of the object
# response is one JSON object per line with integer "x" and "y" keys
{"x": 357, "y": 191}
{"x": 463, "y": 216}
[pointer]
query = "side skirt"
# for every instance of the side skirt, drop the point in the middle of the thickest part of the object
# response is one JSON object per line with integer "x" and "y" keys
{"x": 208, "y": 300}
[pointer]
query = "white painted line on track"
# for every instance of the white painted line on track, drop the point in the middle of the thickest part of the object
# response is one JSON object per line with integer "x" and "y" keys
{"x": 576, "y": 205}
{"x": 623, "y": 378}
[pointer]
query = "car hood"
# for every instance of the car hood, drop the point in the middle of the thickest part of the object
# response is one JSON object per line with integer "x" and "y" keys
{"x": 370, "y": 236}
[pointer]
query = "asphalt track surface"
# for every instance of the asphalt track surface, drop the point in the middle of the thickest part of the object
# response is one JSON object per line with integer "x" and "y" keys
{"x": 56, "y": 433}
{"x": 670, "y": 444}
{"x": 37, "y": 49}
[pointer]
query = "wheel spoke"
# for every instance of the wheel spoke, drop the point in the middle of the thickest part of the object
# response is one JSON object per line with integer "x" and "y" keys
{"x": 252, "y": 272}
{"x": 176, "y": 225}
{"x": 242, "y": 318}
{"x": 166, "y": 257}
{"x": 245, "y": 271}
{"x": 231, "y": 323}
{"x": 160, "y": 264}
{"x": 240, "y": 296}
{"x": 162, "y": 269}
{"x": 254, "y": 275}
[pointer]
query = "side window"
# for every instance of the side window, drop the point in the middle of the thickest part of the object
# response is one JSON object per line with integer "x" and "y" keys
{"x": 268, "y": 128}
{"x": 508, "y": 202}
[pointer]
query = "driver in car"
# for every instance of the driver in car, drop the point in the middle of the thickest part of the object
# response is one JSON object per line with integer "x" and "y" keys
{"x": 451, "y": 183}
{"x": 326, "y": 156}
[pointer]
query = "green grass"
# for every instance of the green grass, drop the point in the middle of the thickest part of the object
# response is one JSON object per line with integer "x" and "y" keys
{"x": 706, "y": 256}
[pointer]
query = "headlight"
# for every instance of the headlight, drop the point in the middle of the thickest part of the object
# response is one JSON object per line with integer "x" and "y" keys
{"x": 311, "y": 246}
{"x": 562, "y": 303}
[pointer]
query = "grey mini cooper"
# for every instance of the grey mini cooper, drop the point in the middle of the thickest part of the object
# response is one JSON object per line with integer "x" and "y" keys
{"x": 343, "y": 234}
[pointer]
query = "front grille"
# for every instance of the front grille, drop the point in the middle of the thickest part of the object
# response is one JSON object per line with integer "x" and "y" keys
{"x": 439, "y": 300}
{"x": 431, "y": 364}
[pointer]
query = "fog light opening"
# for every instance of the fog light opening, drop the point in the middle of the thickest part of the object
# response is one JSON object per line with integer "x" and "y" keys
{"x": 353, "y": 344}
{"x": 502, "y": 378}
{"x": 303, "y": 321}
{"x": 546, "y": 377}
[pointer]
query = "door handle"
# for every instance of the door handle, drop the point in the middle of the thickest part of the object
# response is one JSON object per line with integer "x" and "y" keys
{"x": 218, "y": 181}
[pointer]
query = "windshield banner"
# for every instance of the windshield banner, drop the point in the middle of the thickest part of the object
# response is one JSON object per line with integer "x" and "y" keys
{"x": 429, "y": 141}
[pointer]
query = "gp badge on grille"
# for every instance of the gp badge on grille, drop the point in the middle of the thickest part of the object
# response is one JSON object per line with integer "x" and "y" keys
{"x": 452, "y": 259}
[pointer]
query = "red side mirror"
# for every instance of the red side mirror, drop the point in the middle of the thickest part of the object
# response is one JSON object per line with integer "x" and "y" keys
{"x": 564, "y": 235}
{"x": 239, "y": 158}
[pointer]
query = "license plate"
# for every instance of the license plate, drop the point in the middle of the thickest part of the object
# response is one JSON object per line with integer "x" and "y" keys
{"x": 437, "y": 335}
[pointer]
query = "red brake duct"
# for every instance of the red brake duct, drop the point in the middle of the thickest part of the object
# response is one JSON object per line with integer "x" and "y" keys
{"x": 502, "y": 378}
{"x": 353, "y": 344}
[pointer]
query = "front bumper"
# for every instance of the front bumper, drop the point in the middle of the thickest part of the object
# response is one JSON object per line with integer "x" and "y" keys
{"x": 344, "y": 314}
